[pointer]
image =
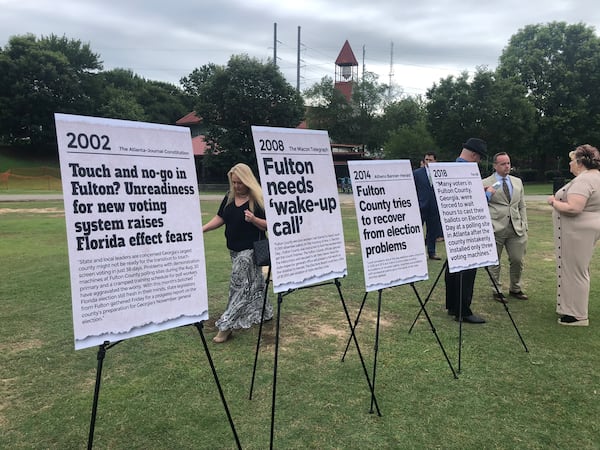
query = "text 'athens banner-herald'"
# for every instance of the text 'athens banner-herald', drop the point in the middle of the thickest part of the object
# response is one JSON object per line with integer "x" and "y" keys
{"x": 302, "y": 206}
{"x": 134, "y": 231}
{"x": 465, "y": 216}
{"x": 389, "y": 223}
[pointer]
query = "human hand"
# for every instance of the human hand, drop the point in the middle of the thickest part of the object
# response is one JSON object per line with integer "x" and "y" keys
{"x": 248, "y": 216}
{"x": 494, "y": 187}
{"x": 551, "y": 200}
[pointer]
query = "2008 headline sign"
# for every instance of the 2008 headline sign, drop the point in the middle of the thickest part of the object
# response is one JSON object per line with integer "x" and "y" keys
{"x": 302, "y": 206}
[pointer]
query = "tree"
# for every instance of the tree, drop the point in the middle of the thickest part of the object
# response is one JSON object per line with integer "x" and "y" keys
{"x": 232, "y": 98}
{"x": 559, "y": 65}
{"x": 126, "y": 95}
{"x": 329, "y": 110}
{"x": 450, "y": 114}
{"x": 488, "y": 107}
{"x": 409, "y": 142}
{"x": 404, "y": 128}
{"x": 118, "y": 99}
{"x": 353, "y": 122}
{"x": 39, "y": 78}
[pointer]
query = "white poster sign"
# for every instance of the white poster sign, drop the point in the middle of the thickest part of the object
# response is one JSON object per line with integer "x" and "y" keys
{"x": 389, "y": 223}
{"x": 302, "y": 206}
{"x": 134, "y": 231}
{"x": 468, "y": 233}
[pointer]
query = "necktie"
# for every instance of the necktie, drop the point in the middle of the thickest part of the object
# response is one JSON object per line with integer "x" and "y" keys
{"x": 505, "y": 189}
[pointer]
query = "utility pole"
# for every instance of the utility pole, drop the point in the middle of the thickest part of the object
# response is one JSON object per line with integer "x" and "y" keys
{"x": 391, "y": 70}
{"x": 275, "y": 44}
{"x": 298, "y": 64}
{"x": 364, "y": 67}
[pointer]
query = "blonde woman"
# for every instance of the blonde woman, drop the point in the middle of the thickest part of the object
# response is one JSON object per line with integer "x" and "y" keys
{"x": 576, "y": 217}
{"x": 242, "y": 211}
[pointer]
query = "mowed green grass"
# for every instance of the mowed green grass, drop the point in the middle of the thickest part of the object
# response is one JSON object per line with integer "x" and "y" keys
{"x": 158, "y": 391}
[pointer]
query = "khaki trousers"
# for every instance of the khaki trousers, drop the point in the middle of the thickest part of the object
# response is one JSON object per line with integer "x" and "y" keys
{"x": 516, "y": 247}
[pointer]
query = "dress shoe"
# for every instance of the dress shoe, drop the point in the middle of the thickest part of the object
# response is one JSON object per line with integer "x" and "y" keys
{"x": 472, "y": 319}
{"x": 500, "y": 298}
{"x": 573, "y": 322}
{"x": 520, "y": 295}
{"x": 222, "y": 336}
{"x": 434, "y": 256}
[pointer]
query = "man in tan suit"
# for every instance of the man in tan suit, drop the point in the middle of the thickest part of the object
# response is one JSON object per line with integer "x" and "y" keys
{"x": 509, "y": 219}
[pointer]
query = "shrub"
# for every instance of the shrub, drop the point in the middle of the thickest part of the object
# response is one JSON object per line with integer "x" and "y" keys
{"x": 526, "y": 174}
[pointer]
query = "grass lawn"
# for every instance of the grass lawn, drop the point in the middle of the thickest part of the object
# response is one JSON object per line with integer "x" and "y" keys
{"x": 158, "y": 392}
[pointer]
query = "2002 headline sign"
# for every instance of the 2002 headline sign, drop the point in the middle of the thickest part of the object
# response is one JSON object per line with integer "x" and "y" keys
{"x": 133, "y": 228}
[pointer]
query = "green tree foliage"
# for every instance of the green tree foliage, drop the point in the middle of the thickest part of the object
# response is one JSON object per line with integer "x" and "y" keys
{"x": 353, "y": 122}
{"x": 368, "y": 100}
{"x": 126, "y": 95}
{"x": 404, "y": 125}
{"x": 119, "y": 98}
{"x": 409, "y": 142}
{"x": 559, "y": 65}
{"x": 39, "y": 77}
{"x": 230, "y": 99}
{"x": 486, "y": 106}
{"x": 329, "y": 110}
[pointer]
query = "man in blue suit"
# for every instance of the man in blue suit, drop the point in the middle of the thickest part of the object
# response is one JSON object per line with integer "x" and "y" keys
{"x": 430, "y": 215}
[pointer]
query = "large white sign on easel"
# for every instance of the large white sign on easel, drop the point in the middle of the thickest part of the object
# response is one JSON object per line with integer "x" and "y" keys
{"x": 389, "y": 223}
{"x": 465, "y": 216}
{"x": 302, "y": 206}
{"x": 134, "y": 230}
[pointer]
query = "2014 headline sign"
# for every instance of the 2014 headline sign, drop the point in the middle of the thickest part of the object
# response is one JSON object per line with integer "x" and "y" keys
{"x": 389, "y": 223}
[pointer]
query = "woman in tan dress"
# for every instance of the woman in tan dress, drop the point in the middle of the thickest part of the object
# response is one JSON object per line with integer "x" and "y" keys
{"x": 576, "y": 217}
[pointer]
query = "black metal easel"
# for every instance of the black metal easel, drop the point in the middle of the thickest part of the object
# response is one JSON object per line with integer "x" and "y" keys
{"x": 505, "y": 303}
{"x": 260, "y": 327}
{"x": 460, "y": 321}
{"x": 280, "y": 297}
{"x": 376, "y": 347}
{"x": 102, "y": 353}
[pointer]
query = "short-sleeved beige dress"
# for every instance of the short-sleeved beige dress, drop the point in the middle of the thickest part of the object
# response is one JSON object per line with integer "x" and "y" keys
{"x": 575, "y": 237}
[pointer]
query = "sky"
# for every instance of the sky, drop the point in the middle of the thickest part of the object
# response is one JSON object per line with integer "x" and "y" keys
{"x": 413, "y": 44}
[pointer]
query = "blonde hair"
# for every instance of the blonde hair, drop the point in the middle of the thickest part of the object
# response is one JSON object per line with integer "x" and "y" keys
{"x": 244, "y": 173}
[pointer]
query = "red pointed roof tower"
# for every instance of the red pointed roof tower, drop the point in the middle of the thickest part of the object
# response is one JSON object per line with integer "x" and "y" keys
{"x": 346, "y": 71}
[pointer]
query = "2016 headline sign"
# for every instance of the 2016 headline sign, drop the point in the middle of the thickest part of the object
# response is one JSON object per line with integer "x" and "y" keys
{"x": 465, "y": 216}
{"x": 134, "y": 228}
{"x": 302, "y": 206}
{"x": 389, "y": 223}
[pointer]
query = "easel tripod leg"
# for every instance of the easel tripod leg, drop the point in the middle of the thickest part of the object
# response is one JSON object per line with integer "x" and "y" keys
{"x": 501, "y": 296}
{"x": 355, "y": 325}
{"x": 262, "y": 318}
{"x": 100, "y": 357}
{"x": 274, "y": 394}
{"x": 198, "y": 325}
{"x": 362, "y": 361}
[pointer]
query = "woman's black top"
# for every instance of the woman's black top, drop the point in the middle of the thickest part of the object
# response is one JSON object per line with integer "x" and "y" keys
{"x": 240, "y": 234}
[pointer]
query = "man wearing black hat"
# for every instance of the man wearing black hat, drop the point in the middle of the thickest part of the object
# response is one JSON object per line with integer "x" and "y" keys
{"x": 472, "y": 151}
